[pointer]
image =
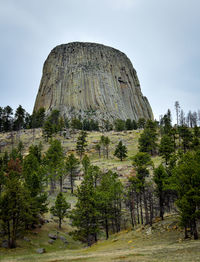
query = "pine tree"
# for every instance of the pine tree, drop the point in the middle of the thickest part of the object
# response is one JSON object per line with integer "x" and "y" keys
{"x": 141, "y": 162}
{"x": 86, "y": 164}
{"x": 19, "y": 117}
{"x": 54, "y": 160}
{"x": 98, "y": 148}
{"x": 47, "y": 130}
{"x": 37, "y": 118}
{"x": 186, "y": 182}
{"x": 160, "y": 178}
{"x": 166, "y": 147}
{"x": 60, "y": 208}
{"x": 141, "y": 123}
{"x": 105, "y": 141}
{"x": 119, "y": 125}
{"x": 35, "y": 181}
{"x": 14, "y": 203}
{"x": 85, "y": 215}
{"x": 120, "y": 151}
{"x": 7, "y": 118}
{"x": 109, "y": 195}
{"x": 81, "y": 144}
{"x": 129, "y": 125}
{"x": 71, "y": 166}
{"x": 186, "y": 137}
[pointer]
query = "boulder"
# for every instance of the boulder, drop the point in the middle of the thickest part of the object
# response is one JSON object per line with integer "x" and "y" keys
{"x": 53, "y": 236}
{"x": 40, "y": 250}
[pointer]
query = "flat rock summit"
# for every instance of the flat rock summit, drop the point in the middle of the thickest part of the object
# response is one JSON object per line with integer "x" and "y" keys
{"x": 91, "y": 80}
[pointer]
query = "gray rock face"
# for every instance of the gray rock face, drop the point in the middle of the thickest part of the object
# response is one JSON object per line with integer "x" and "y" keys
{"x": 92, "y": 80}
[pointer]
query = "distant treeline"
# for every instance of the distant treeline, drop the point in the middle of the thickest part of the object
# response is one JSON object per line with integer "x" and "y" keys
{"x": 20, "y": 119}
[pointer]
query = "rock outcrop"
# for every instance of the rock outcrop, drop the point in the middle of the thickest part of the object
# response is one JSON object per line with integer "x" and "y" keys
{"x": 94, "y": 80}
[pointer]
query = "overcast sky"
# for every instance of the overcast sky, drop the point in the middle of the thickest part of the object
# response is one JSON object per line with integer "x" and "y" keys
{"x": 161, "y": 38}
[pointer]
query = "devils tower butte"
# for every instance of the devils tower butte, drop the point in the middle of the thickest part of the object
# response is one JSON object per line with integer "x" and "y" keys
{"x": 88, "y": 79}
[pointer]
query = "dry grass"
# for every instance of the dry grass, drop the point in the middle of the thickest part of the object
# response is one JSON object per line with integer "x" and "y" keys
{"x": 165, "y": 243}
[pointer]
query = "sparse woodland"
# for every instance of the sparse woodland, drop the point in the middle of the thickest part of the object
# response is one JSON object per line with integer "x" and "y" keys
{"x": 106, "y": 203}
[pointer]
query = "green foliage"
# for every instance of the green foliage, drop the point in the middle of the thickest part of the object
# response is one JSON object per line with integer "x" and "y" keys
{"x": 6, "y": 118}
{"x": 71, "y": 166}
{"x": 128, "y": 124}
{"x": 107, "y": 125}
{"x": 19, "y": 118}
{"x": 166, "y": 147}
{"x": 37, "y": 118}
{"x": 53, "y": 124}
{"x": 120, "y": 151}
{"x": 186, "y": 181}
{"x": 148, "y": 139}
{"x": 86, "y": 164}
{"x": 85, "y": 215}
{"x": 141, "y": 162}
{"x": 76, "y": 123}
{"x": 141, "y": 123}
{"x": 35, "y": 181}
{"x": 109, "y": 194}
{"x": 160, "y": 179}
{"x": 89, "y": 125}
{"x": 186, "y": 137}
{"x": 81, "y": 144}
{"x": 54, "y": 161}
{"x": 14, "y": 203}
{"x": 104, "y": 142}
{"x": 60, "y": 208}
{"x": 119, "y": 125}
{"x": 47, "y": 130}
{"x": 165, "y": 123}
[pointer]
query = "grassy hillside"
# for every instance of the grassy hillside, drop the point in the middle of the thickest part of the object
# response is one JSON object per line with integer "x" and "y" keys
{"x": 161, "y": 243}
{"x": 129, "y": 138}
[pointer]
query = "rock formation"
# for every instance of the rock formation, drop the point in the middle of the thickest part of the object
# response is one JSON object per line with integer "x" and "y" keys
{"x": 88, "y": 79}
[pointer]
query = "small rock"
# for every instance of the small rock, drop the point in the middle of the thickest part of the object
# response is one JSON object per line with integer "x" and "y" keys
{"x": 40, "y": 250}
{"x": 51, "y": 241}
{"x": 115, "y": 240}
{"x": 2, "y": 143}
{"x": 26, "y": 239}
{"x": 4, "y": 243}
{"x": 53, "y": 236}
{"x": 63, "y": 239}
{"x": 119, "y": 168}
{"x": 149, "y": 231}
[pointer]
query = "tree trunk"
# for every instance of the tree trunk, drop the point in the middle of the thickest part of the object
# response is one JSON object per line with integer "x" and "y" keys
{"x": 186, "y": 233}
{"x": 61, "y": 184}
{"x": 138, "y": 216}
{"x": 71, "y": 182}
{"x": 146, "y": 208}
{"x": 107, "y": 152}
{"x": 141, "y": 212}
{"x": 60, "y": 222}
{"x": 195, "y": 232}
{"x": 8, "y": 228}
{"x": 161, "y": 206}
{"x": 12, "y": 243}
{"x": 100, "y": 153}
{"x": 106, "y": 227}
{"x": 51, "y": 186}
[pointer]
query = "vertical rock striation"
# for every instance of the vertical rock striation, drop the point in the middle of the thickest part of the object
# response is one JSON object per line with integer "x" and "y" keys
{"x": 93, "y": 80}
